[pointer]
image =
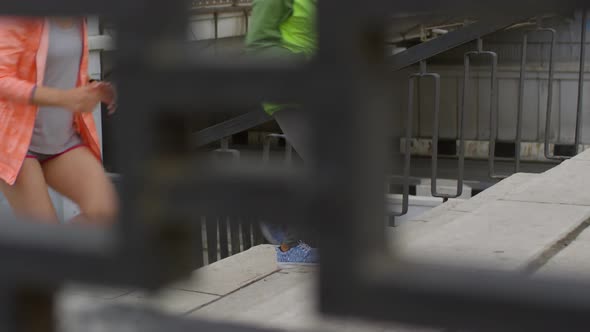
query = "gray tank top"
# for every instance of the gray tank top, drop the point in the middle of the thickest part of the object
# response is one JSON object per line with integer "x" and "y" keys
{"x": 54, "y": 130}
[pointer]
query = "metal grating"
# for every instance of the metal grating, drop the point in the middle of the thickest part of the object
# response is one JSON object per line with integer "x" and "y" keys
{"x": 152, "y": 245}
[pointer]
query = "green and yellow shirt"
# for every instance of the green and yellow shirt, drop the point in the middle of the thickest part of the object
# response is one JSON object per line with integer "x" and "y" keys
{"x": 282, "y": 28}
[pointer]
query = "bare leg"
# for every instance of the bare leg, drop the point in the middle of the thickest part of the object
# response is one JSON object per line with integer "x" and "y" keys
{"x": 79, "y": 176}
{"x": 29, "y": 196}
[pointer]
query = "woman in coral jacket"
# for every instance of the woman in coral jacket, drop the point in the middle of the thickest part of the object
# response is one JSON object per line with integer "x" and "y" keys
{"x": 47, "y": 133}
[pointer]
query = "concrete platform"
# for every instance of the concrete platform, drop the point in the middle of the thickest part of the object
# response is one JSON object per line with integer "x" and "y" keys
{"x": 532, "y": 224}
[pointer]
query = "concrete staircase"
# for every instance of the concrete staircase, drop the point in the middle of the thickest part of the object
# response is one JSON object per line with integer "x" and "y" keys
{"x": 534, "y": 224}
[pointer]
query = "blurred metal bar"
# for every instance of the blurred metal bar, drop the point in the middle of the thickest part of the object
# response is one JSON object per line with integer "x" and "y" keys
{"x": 345, "y": 190}
{"x": 177, "y": 86}
{"x": 121, "y": 317}
{"x": 65, "y": 7}
{"x": 483, "y": 300}
{"x": 269, "y": 194}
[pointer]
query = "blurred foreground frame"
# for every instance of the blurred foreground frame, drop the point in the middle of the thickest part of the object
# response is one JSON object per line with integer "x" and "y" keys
{"x": 346, "y": 88}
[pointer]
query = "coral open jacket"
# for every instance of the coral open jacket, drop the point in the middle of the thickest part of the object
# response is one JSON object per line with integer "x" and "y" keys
{"x": 23, "y": 57}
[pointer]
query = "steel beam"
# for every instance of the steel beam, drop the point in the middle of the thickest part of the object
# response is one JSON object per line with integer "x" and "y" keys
{"x": 267, "y": 194}
{"x": 177, "y": 86}
{"x": 124, "y": 317}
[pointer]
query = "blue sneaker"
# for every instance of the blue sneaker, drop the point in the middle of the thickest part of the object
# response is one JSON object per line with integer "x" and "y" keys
{"x": 302, "y": 254}
{"x": 274, "y": 234}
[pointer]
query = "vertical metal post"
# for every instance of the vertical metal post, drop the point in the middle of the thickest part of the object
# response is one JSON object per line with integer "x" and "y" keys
{"x": 520, "y": 111}
{"x": 408, "y": 142}
{"x": 550, "y": 97}
{"x": 216, "y": 22}
{"x": 266, "y": 149}
{"x": 246, "y": 229}
{"x": 197, "y": 231}
{"x": 234, "y": 226}
{"x": 257, "y": 236}
{"x": 435, "y": 136}
{"x": 288, "y": 153}
{"x": 493, "y": 96}
{"x": 580, "y": 104}
{"x": 247, "y": 20}
{"x": 581, "y": 80}
{"x": 412, "y": 82}
{"x": 493, "y": 103}
{"x": 225, "y": 150}
{"x": 211, "y": 225}
{"x": 223, "y": 241}
{"x": 550, "y": 82}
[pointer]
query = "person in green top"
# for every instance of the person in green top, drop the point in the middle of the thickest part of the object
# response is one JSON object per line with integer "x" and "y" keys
{"x": 286, "y": 29}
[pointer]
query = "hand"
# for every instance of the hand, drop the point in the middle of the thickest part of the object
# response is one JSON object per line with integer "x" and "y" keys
{"x": 108, "y": 95}
{"x": 83, "y": 99}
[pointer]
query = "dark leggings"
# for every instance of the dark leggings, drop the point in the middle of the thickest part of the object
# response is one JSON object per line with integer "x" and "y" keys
{"x": 295, "y": 127}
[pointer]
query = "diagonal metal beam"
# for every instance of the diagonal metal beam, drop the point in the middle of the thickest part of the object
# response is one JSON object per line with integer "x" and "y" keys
{"x": 230, "y": 127}
{"x": 451, "y": 40}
